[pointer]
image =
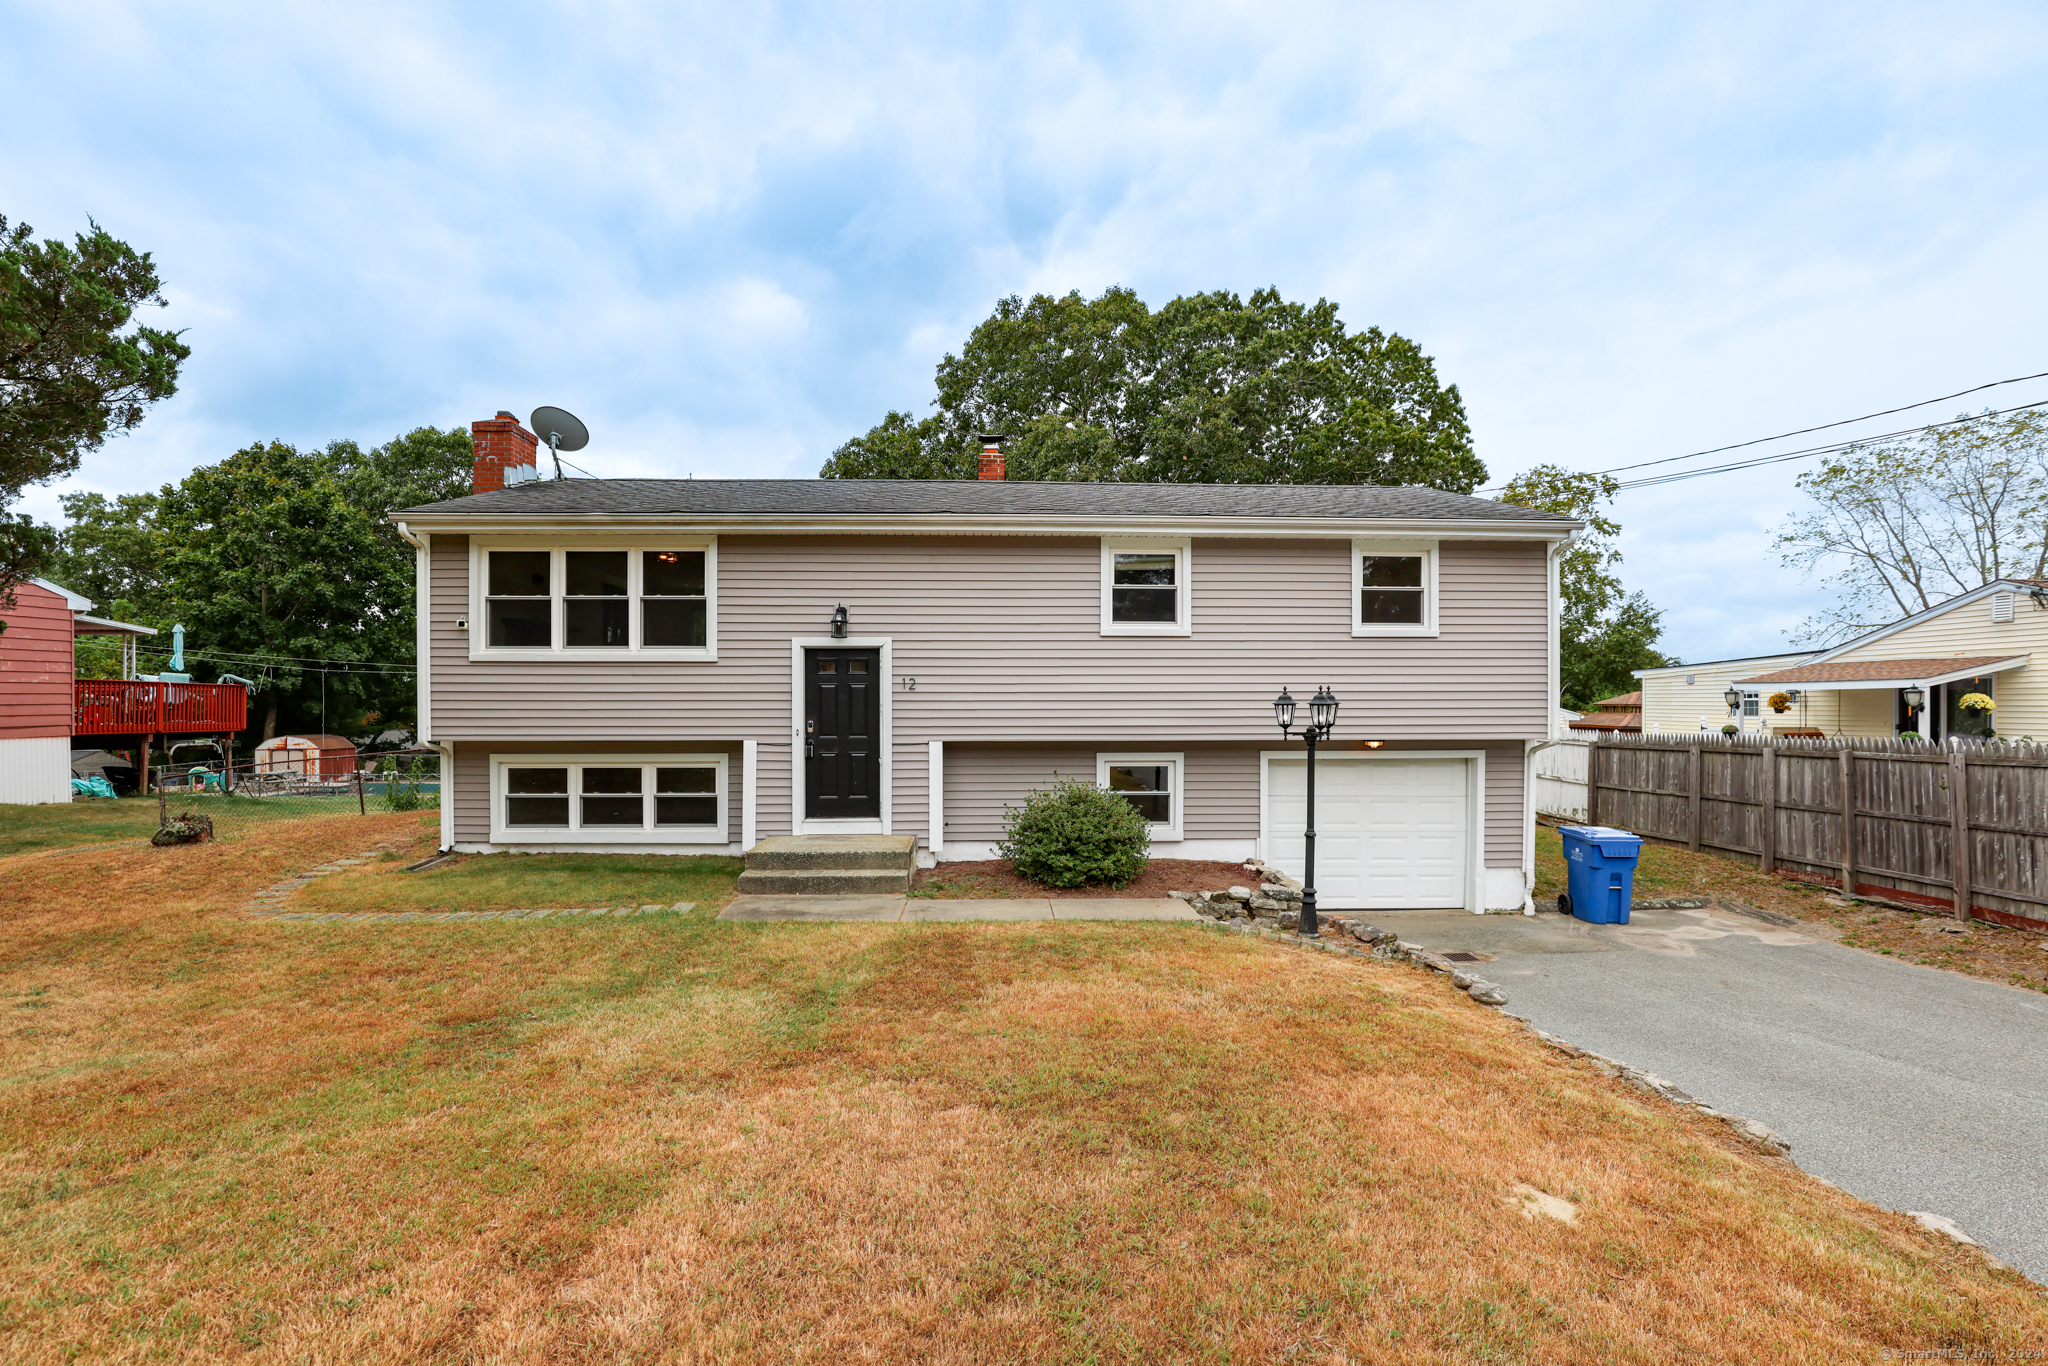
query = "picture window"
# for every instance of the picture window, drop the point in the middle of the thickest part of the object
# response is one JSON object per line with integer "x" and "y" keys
{"x": 598, "y": 602}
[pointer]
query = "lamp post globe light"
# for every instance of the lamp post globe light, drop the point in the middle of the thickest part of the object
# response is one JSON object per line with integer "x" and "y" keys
{"x": 1322, "y": 719}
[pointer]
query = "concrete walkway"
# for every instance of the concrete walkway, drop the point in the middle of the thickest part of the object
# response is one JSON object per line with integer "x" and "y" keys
{"x": 1913, "y": 1088}
{"x": 900, "y": 908}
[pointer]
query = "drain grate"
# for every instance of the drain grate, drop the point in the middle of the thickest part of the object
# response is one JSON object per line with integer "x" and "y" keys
{"x": 1463, "y": 957}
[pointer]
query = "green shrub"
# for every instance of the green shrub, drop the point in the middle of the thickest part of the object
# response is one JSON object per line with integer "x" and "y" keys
{"x": 404, "y": 792}
{"x": 1073, "y": 833}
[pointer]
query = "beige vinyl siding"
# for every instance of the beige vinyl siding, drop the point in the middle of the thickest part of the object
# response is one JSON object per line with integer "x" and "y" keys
{"x": 1220, "y": 788}
{"x": 1967, "y": 629}
{"x": 1672, "y": 707}
{"x": 1868, "y": 711}
{"x": 1003, "y": 637}
{"x": 473, "y": 781}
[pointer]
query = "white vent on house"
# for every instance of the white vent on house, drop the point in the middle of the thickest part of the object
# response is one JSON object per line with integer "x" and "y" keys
{"x": 2001, "y": 606}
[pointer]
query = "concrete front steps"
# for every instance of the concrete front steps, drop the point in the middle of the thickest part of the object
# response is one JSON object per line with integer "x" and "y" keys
{"x": 829, "y": 865}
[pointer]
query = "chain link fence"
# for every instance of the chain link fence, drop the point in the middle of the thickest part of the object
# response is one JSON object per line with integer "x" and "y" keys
{"x": 220, "y": 801}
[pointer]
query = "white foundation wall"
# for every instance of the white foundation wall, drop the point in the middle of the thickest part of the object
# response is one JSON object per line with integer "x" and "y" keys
{"x": 35, "y": 771}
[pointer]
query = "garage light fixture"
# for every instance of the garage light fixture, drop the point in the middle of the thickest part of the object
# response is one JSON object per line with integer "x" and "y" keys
{"x": 1322, "y": 714}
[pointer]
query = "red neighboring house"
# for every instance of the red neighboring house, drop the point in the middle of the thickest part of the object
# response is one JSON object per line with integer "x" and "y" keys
{"x": 36, "y": 671}
{"x": 44, "y": 705}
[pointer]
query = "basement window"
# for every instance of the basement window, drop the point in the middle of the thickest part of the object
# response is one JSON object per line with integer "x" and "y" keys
{"x": 1150, "y": 783}
{"x": 596, "y": 602}
{"x": 625, "y": 799}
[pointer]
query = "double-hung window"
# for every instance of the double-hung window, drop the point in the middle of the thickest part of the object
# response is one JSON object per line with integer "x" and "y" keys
{"x": 1393, "y": 588}
{"x": 1145, "y": 588}
{"x": 1151, "y": 783}
{"x": 629, "y": 799}
{"x": 597, "y": 602}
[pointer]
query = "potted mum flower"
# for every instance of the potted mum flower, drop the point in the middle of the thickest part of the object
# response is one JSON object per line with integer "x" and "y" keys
{"x": 1780, "y": 702}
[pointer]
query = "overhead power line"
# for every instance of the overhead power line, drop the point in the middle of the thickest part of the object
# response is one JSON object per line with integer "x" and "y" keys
{"x": 1675, "y": 476}
{"x": 1804, "y": 431}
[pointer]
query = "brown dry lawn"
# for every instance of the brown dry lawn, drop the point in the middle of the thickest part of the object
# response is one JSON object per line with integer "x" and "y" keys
{"x": 667, "y": 1139}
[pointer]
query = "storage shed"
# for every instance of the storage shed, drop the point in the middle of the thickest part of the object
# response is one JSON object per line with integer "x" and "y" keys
{"x": 313, "y": 756}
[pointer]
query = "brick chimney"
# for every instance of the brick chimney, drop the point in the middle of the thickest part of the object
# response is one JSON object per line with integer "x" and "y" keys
{"x": 500, "y": 441}
{"x": 992, "y": 457}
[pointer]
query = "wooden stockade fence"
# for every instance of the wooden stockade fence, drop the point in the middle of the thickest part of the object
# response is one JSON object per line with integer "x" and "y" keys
{"x": 1963, "y": 825}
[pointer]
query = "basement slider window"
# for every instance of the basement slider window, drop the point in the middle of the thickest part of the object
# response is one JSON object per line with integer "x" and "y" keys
{"x": 596, "y": 603}
{"x": 668, "y": 800}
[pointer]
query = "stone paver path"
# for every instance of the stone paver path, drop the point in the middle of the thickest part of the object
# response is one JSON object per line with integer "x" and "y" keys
{"x": 895, "y": 908}
{"x": 268, "y": 903}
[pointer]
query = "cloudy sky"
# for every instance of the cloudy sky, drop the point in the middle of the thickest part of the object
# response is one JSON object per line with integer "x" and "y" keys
{"x": 729, "y": 237}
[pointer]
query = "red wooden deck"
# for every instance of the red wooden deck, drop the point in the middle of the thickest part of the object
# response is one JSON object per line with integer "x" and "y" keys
{"x": 108, "y": 706}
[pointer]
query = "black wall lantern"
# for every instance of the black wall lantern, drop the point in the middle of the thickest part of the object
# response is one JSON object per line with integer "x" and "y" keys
{"x": 1914, "y": 697}
{"x": 1322, "y": 719}
{"x": 1733, "y": 698}
{"x": 839, "y": 622}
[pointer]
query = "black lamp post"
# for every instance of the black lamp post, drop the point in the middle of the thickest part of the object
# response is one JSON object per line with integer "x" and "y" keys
{"x": 1322, "y": 718}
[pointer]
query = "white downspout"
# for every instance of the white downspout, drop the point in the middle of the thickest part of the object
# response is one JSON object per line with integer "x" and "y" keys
{"x": 423, "y": 665}
{"x": 1550, "y": 705}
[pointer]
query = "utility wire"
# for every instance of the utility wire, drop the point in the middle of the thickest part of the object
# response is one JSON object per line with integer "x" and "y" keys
{"x": 1803, "y": 431}
{"x": 1650, "y": 481}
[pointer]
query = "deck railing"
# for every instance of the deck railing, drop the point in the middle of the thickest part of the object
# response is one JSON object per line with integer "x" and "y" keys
{"x": 111, "y": 706}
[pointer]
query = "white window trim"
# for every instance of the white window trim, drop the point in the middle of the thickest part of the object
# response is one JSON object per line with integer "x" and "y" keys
{"x": 799, "y": 823}
{"x": 1475, "y": 802}
{"x": 1183, "y": 583}
{"x": 573, "y": 833}
{"x": 479, "y": 623}
{"x": 1170, "y": 831}
{"x": 1361, "y": 546}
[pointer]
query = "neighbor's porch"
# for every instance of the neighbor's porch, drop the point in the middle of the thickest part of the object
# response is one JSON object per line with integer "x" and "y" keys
{"x": 1884, "y": 697}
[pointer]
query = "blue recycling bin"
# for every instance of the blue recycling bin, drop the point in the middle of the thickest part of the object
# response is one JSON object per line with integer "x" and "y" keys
{"x": 1599, "y": 872}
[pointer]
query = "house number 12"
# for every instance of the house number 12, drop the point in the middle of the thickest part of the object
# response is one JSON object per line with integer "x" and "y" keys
{"x": 909, "y": 684}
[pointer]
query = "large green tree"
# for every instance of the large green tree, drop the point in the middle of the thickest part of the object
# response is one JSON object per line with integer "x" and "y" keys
{"x": 1211, "y": 388}
{"x": 72, "y": 368}
{"x": 282, "y": 567}
{"x": 1604, "y": 631}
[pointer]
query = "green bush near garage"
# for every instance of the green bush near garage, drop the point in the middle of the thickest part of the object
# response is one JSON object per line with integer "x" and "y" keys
{"x": 1074, "y": 833}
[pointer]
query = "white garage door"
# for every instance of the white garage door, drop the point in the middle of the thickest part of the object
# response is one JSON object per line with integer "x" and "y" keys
{"x": 1390, "y": 833}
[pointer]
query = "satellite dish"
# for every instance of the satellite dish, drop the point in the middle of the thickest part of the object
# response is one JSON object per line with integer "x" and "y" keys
{"x": 561, "y": 430}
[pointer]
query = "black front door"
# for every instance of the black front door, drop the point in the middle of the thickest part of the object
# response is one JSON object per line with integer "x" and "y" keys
{"x": 842, "y": 734}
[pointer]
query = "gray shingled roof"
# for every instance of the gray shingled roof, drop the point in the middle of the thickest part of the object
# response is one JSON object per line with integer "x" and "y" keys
{"x": 989, "y": 498}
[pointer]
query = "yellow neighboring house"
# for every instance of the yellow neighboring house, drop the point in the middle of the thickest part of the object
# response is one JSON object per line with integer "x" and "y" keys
{"x": 1910, "y": 676}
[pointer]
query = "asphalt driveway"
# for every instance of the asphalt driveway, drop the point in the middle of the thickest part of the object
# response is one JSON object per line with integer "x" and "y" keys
{"x": 1913, "y": 1088}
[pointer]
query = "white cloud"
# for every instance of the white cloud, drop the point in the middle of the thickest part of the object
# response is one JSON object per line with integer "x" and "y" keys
{"x": 729, "y": 238}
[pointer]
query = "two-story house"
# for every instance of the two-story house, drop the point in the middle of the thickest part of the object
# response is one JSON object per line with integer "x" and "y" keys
{"x": 642, "y": 665}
